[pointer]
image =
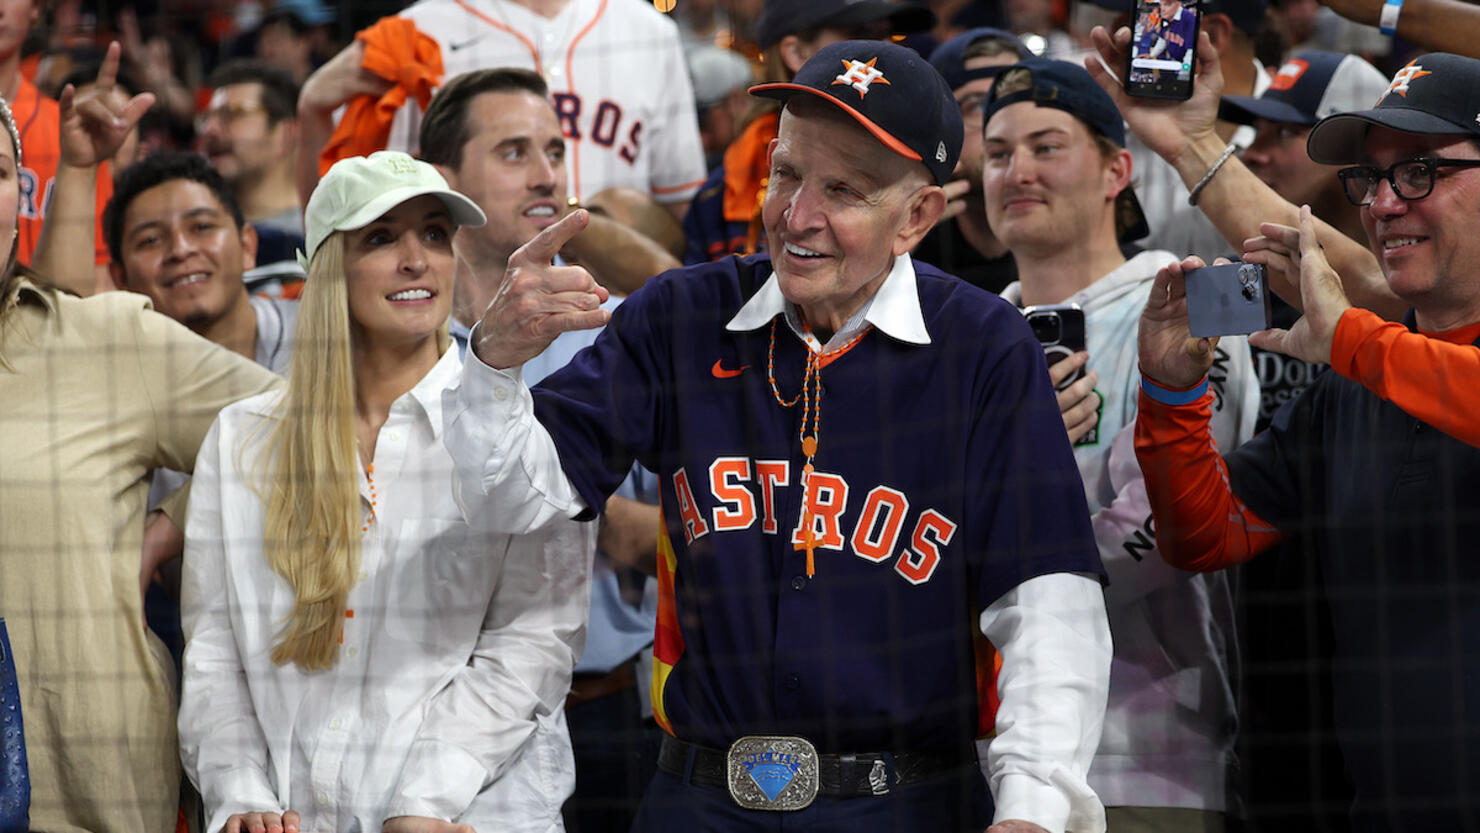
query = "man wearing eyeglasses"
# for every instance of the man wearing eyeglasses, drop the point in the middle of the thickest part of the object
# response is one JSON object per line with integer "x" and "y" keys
{"x": 249, "y": 134}
{"x": 1376, "y": 462}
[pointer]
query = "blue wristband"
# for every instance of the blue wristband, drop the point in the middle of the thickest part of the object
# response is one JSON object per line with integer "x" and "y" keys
{"x": 1388, "y": 22}
{"x": 1174, "y": 397}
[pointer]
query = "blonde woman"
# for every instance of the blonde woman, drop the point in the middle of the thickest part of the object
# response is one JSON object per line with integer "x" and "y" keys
{"x": 357, "y": 657}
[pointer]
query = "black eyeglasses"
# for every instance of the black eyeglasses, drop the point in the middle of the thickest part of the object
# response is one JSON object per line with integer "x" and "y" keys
{"x": 1412, "y": 179}
{"x": 971, "y": 105}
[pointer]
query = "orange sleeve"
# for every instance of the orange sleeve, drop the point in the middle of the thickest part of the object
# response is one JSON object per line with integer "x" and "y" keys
{"x": 1428, "y": 376}
{"x": 396, "y": 51}
{"x": 105, "y": 193}
{"x": 1200, "y": 524}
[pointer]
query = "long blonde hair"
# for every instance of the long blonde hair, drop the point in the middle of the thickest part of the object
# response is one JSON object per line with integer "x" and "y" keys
{"x": 312, "y": 529}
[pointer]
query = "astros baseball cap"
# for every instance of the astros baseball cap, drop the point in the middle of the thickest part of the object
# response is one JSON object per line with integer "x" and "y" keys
{"x": 1309, "y": 87}
{"x": 890, "y": 90}
{"x": 949, "y": 59}
{"x": 788, "y": 17}
{"x": 359, "y": 189}
{"x": 1435, "y": 94}
{"x": 1069, "y": 87}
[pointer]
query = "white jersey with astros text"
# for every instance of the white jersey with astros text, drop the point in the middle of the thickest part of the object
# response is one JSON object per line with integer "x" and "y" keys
{"x": 617, "y": 80}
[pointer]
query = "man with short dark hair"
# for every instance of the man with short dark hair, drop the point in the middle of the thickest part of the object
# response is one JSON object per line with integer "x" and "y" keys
{"x": 495, "y": 137}
{"x": 177, "y": 235}
{"x": 249, "y": 132}
{"x": 1374, "y": 462}
{"x": 862, "y": 465}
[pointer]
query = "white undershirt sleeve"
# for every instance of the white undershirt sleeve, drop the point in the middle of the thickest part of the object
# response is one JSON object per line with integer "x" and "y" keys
{"x": 509, "y": 478}
{"x": 1054, "y": 640}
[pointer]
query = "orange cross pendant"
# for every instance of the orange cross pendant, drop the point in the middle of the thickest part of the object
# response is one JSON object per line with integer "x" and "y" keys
{"x": 809, "y": 542}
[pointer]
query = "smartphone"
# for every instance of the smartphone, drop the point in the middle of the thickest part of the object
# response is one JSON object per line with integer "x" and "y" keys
{"x": 1060, "y": 329}
{"x": 1163, "y": 50}
{"x": 1227, "y": 300}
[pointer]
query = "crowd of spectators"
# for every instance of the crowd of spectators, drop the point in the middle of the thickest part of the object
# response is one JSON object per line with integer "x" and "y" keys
{"x": 219, "y": 156}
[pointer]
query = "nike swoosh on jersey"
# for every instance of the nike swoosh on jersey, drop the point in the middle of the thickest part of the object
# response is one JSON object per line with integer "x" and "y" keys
{"x": 721, "y": 373}
{"x": 464, "y": 44}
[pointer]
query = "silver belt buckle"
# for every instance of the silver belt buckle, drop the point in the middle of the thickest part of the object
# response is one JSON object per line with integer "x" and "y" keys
{"x": 772, "y": 772}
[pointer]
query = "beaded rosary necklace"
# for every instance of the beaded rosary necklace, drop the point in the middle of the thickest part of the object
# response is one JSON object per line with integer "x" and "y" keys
{"x": 811, "y": 398}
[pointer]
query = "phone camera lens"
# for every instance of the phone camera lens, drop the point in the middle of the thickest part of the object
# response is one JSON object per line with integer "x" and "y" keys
{"x": 1046, "y": 328}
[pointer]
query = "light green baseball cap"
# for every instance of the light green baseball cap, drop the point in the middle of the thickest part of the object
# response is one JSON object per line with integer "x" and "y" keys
{"x": 359, "y": 189}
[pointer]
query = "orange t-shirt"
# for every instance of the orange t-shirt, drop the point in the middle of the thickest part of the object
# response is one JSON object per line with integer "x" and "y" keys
{"x": 38, "y": 119}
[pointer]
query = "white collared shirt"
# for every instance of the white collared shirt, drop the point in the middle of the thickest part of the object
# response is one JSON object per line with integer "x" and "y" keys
{"x": 446, "y": 699}
{"x": 894, "y": 309}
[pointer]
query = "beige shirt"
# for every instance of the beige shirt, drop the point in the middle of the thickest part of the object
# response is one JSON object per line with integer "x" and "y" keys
{"x": 94, "y": 395}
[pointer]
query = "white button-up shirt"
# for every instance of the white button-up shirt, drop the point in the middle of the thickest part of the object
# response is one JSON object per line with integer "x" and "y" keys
{"x": 447, "y": 696}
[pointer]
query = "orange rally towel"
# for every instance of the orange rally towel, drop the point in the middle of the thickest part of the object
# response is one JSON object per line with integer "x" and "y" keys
{"x": 397, "y": 52}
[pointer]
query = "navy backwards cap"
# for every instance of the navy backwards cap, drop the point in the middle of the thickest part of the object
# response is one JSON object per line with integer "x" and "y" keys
{"x": 788, "y": 17}
{"x": 1308, "y": 87}
{"x": 892, "y": 92}
{"x": 949, "y": 59}
{"x": 1069, "y": 87}
{"x": 1436, "y": 94}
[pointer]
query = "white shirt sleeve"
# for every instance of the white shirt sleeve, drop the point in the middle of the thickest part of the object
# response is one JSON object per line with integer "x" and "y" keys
{"x": 221, "y": 742}
{"x": 1054, "y": 639}
{"x": 518, "y": 675}
{"x": 509, "y": 478}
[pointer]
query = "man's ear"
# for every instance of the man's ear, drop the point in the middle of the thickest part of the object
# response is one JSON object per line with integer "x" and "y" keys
{"x": 288, "y": 134}
{"x": 115, "y": 271}
{"x": 924, "y": 210}
{"x": 448, "y": 174}
{"x": 1220, "y": 30}
{"x": 794, "y": 53}
{"x": 1118, "y": 174}
{"x": 249, "y": 246}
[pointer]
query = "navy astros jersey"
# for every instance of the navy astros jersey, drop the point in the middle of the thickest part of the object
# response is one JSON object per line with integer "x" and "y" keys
{"x": 943, "y": 478}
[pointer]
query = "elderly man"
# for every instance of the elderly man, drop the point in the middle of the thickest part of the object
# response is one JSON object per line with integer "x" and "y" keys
{"x": 822, "y": 574}
{"x": 1371, "y": 462}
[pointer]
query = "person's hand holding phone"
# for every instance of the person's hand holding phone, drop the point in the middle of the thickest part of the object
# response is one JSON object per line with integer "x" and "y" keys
{"x": 1324, "y": 299}
{"x": 1079, "y": 404}
{"x": 1167, "y": 127}
{"x": 1169, "y": 355}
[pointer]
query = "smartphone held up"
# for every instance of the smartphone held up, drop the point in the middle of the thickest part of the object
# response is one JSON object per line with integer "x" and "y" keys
{"x": 1226, "y": 300}
{"x": 1163, "y": 48}
{"x": 1060, "y": 329}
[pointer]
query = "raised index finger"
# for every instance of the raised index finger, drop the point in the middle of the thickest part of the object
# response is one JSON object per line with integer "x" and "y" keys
{"x": 108, "y": 71}
{"x": 549, "y": 242}
{"x": 1310, "y": 244}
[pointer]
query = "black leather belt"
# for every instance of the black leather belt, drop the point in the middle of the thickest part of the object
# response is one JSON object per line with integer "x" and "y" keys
{"x": 841, "y": 776}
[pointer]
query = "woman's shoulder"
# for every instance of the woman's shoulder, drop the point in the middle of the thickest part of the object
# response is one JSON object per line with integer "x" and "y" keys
{"x": 245, "y": 415}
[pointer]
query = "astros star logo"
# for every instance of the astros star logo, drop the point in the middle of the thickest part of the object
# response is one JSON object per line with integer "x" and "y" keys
{"x": 1405, "y": 76}
{"x": 859, "y": 75}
